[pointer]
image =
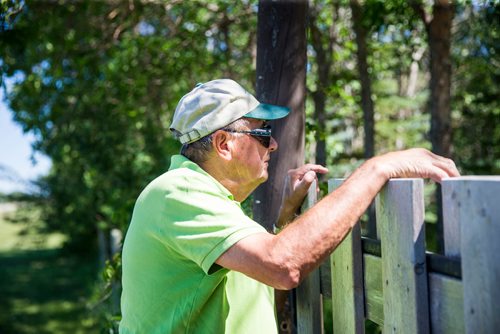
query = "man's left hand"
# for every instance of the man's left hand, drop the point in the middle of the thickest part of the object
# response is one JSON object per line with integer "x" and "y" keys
{"x": 295, "y": 189}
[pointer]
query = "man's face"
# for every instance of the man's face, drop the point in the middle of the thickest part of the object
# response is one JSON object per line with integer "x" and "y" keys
{"x": 251, "y": 157}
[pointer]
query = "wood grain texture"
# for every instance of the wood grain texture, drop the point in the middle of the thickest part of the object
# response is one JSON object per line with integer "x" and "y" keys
{"x": 400, "y": 217}
{"x": 347, "y": 281}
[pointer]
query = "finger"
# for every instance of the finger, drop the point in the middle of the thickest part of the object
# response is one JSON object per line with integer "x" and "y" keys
{"x": 438, "y": 175}
{"x": 448, "y": 166}
{"x": 303, "y": 185}
{"x": 316, "y": 168}
{"x": 309, "y": 177}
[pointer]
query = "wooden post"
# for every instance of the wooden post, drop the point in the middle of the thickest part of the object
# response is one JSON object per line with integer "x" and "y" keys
{"x": 478, "y": 200}
{"x": 281, "y": 79}
{"x": 400, "y": 215}
{"x": 309, "y": 305}
{"x": 347, "y": 281}
{"x": 446, "y": 293}
{"x": 451, "y": 224}
{"x": 281, "y": 70}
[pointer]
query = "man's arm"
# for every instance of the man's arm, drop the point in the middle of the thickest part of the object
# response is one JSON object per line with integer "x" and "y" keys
{"x": 283, "y": 260}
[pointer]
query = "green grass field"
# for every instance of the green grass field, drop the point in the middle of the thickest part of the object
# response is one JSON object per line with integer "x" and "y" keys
{"x": 42, "y": 288}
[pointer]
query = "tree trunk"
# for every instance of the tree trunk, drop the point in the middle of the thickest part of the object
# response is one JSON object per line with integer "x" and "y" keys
{"x": 366, "y": 99}
{"x": 416, "y": 56}
{"x": 439, "y": 31}
{"x": 439, "y": 35}
{"x": 324, "y": 63}
{"x": 281, "y": 73}
{"x": 319, "y": 114}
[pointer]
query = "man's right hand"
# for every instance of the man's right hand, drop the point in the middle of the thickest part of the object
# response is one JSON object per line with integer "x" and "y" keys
{"x": 417, "y": 162}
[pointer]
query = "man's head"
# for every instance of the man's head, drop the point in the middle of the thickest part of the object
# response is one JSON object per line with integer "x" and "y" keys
{"x": 215, "y": 105}
{"x": 224, "y": 129}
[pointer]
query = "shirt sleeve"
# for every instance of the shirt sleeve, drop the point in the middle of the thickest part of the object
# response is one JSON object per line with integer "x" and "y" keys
{"x": 200, "y": 223}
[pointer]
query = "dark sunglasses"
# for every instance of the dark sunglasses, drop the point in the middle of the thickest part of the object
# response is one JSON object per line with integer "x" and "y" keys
{"x": 263, "y": 135}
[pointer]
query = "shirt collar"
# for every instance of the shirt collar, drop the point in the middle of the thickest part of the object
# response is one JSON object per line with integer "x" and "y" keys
{"x": 180, "y": 161}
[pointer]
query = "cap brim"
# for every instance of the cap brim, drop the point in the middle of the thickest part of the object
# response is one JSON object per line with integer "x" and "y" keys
{"x": 268, "y": 112}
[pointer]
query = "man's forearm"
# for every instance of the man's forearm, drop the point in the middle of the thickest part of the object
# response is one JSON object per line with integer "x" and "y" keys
{"x": 316, "y": 233}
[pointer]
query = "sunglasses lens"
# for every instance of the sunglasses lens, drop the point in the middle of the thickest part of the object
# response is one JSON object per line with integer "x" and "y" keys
{"x": 264, "y": 140}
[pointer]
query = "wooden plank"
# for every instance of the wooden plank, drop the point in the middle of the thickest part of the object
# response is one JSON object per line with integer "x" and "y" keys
{"x": 400, "y": 217}
{"x": 446, "y": 298}
{"x": 309, "y": 306}
{"x": 479, "y": 219}
{"x": 446, "y": 301}
{"x": 451, "y": 227}
{"x": 347, "y": 281}
{"x": 374, "y": 294}
{"x": 325, "y": 276}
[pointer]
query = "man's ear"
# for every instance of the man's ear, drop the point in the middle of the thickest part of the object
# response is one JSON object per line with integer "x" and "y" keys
{"x": 221, "y": 141}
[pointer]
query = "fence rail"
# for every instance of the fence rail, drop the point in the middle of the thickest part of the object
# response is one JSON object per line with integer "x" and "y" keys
{"x": 395, "y": 283}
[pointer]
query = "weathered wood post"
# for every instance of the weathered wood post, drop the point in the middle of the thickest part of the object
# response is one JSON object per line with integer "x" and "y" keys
{"x": 281, "y": 79}
{"x": 400, "y": 218}
{"x": 308, "y": 294}
{"x": 446, "y": 298}
{"x": 478, "y": 213}
{"x": 347, "y": 281}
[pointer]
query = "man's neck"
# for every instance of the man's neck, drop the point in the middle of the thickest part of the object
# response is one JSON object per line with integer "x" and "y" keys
{"x": 225, "y": 175}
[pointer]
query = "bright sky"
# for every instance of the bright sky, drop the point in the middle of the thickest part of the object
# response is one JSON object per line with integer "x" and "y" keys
{"x": 16, "y": 164}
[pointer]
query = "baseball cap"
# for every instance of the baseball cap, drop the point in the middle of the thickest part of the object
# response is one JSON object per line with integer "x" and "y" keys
{"x": 212, "y": 105}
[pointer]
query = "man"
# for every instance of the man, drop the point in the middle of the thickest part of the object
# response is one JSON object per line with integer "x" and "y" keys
{"x": 193, "y": 262}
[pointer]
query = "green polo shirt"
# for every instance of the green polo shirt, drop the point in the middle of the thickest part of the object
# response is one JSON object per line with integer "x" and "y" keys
{"x": 182, "y": 222}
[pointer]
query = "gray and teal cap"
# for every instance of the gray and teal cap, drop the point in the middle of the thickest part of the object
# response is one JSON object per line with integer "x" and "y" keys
{"x": 213, "y": 105}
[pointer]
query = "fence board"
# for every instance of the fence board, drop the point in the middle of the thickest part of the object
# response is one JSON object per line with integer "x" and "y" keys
{"x": 446, "y": 304}
{"x": 479, "y": 220}
{"x": 400, "y": 215}
{"x": 374, "y": 294}
{"x": 451, "y": 227}
{"x": 347, "y": 281}
{"x": 309, "y": 306}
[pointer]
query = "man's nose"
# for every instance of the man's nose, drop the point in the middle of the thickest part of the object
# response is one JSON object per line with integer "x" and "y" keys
{"x": 273, "y": 146}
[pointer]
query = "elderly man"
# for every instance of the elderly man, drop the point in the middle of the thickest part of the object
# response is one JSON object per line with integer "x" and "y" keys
{"x": 193, "y": 262}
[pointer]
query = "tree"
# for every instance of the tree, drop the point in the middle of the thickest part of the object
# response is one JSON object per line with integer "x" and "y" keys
{"x": 281, "y": 73}
{"x": 364, "y": 78}
{"x": 439, "y": 36}
{"x": 97, "y": 83}
{"x": 322, "y": 39}
{"x": 366, "y": 98}
{"x": 475, "y": 103}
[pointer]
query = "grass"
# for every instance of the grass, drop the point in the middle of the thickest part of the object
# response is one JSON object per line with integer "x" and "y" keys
{"x": 43, "y": 289}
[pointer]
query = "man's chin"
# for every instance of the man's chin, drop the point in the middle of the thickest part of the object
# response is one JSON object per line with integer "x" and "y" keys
{"x": 263, "y": 178}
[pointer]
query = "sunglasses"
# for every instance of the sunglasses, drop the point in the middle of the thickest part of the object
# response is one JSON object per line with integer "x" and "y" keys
{"x": 263, "y": 135}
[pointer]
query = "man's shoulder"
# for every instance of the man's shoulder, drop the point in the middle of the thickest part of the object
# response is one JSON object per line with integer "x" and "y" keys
{"x": 182, "y": 176}
{"x": 182, "y": 180}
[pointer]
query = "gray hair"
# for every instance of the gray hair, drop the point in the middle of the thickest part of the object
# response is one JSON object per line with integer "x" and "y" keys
{"x": 199, "y": 150}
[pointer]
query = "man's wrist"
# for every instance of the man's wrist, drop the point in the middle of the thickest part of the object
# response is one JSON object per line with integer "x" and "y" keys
{"x": 376, "y": 166}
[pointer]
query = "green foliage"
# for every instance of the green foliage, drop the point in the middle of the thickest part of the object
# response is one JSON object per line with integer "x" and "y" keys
{"x": 43, "y": 289}
{"x": 97, "y": 83}
{"x": 476, "y": 103}
{"x": 105, "y": 299}
{"x": 42, "y": 292}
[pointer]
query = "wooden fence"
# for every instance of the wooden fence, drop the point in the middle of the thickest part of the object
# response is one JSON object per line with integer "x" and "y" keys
{"x": 395, "y": 283}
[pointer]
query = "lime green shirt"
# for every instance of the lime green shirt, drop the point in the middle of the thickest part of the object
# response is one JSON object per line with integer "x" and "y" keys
{"x": 182, "y": 222}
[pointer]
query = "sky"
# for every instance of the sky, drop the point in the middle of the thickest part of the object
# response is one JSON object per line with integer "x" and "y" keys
{"x": 17, "y": 167}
